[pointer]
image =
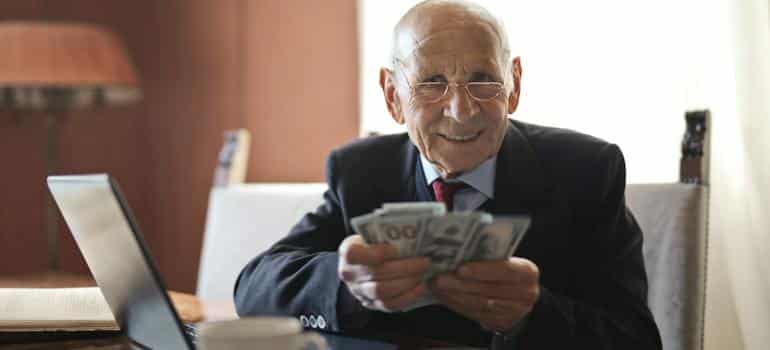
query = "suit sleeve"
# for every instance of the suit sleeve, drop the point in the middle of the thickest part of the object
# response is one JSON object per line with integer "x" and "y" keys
{"x": 297, "y": 276}
{"x": 606, "y": 306}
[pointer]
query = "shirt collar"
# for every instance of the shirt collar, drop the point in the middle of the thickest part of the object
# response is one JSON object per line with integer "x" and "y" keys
{"x": 481, "y": 178}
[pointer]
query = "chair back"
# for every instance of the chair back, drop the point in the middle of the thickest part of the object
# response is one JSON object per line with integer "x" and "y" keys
{"x": 673, "y": 218}
{"x": 244, "y": 220}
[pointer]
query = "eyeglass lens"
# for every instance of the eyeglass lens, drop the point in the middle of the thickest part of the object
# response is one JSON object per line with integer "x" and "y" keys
{"x": 435, "y": 91}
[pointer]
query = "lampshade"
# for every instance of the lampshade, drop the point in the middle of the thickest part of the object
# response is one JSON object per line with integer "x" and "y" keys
{"x": 63, "y": 66}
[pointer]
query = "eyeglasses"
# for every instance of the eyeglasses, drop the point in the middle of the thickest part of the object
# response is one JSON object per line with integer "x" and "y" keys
{"x": 432, "y": 92}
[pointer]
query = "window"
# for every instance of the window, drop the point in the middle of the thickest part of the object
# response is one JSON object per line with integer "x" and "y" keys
{"x": 624, "y": 71}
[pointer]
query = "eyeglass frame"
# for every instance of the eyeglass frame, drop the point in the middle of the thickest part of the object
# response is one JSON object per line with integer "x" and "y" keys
{"x": 453, "y": 84}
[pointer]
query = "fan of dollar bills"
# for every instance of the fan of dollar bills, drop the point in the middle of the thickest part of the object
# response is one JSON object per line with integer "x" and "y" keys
{"x": 447, "y": 239}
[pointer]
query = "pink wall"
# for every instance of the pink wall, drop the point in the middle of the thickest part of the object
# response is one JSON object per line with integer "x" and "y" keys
{"x": 286, "y": 70}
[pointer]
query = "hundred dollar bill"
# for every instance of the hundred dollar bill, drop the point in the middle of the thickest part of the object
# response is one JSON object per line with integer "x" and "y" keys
{"x": 445, "y": 241}
{"x": 413, "y": 208}
{"x": 520, "y": 227}
{"x": 480, "y": 217}
{"x": 402, "y": 232}
{"x": 498, "y": 239}
{"x": 365, "y": 225}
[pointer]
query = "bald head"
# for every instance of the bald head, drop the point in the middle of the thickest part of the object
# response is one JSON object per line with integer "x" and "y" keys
{"x": 452, "y": 83}
{"x": 432, "y": 18}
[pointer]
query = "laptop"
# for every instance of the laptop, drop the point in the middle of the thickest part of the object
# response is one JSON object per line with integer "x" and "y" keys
{"x": 108, "y": 236}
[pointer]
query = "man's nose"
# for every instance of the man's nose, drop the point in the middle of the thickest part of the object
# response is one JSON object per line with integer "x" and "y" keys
{"x": 460, "y": 105}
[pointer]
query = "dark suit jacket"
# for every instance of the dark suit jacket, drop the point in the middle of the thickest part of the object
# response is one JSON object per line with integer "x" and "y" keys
{"x": 584, "y": 240}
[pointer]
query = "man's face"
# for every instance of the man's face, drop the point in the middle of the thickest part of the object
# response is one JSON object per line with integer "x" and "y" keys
{"x": 457, "y": 132}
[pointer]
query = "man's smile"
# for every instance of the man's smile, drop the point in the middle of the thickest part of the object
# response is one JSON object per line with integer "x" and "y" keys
{"x": 461, "y": 137}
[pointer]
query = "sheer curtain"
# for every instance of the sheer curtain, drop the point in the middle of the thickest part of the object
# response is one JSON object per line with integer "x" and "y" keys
{"x": 739, "y": 254}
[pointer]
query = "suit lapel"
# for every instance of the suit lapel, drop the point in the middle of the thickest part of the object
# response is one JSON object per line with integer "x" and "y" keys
{"x": 411, "y": 175}
{"x": 421, "y": 186}
{"x": 519, "y": 178}
{"x": 521, "y": 187}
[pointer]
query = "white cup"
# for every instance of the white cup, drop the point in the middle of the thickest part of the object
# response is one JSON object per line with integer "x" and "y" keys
{"x": 279, "y": 333}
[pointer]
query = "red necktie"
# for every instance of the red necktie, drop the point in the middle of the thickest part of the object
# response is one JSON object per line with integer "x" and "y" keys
{"x": 445, "y": 191}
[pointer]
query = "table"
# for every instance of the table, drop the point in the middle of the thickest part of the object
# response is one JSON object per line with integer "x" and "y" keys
{"x": 190, "y": 308}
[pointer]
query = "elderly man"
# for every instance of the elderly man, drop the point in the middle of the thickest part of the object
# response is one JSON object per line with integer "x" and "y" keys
{"x": 578, "y": 278}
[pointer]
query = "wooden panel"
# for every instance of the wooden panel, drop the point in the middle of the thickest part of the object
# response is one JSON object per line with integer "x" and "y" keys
{"x": 193, "y": 97}
{"x": 21, "y": 10}
{"x": 301, "y": 91}
{"x": 22, "y": 242}
{"x": 22, "y": 142}
{"x": 287, "y": 70}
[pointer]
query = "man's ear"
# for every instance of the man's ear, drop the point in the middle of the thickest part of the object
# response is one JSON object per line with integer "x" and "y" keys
{"x": 513, "y": 97}
{"x": 388, "y": 85}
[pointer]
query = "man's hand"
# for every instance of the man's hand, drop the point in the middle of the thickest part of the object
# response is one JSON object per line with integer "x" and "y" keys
{"x": 497, "y": 294}
{"x": 377, "y": 277}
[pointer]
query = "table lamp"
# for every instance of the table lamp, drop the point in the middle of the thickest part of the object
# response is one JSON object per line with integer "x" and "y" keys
{"x": 55, "y": 67}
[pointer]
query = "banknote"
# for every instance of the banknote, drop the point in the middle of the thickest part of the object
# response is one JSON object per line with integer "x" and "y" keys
{"x": 402, "y": 232}
{"x": 496, "y": 240}
{"x": 413, "y": 208}
{"x": 521, "y": 225}
{"x": 366, "y": 226}
{"x": 447, "y": 239}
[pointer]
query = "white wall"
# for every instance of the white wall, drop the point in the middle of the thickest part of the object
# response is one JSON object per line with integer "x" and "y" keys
{"x": 625, "y": 71}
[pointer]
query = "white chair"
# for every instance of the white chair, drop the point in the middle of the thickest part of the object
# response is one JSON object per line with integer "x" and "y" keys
{"x": 673, "y": 219}
{"x": 244, "y": 220}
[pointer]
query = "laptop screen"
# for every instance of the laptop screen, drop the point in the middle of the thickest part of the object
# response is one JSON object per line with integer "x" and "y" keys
{"x": 108, "y": 237}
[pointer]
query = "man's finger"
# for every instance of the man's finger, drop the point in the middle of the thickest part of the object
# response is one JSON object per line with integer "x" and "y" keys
{"x": 450, "y": 283}
{"x": 401, "y": 268}
{"x": 501, "y": 316}
{"x": 390, "y": 270}
{"x": 458, "y": 303}
{"x": 354, "y": 273}
{"x": 388, "y": 289}
{"x": 513, "y": 269}
{"x": 404, "y": 300}
{"x": 370, "y": 255}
